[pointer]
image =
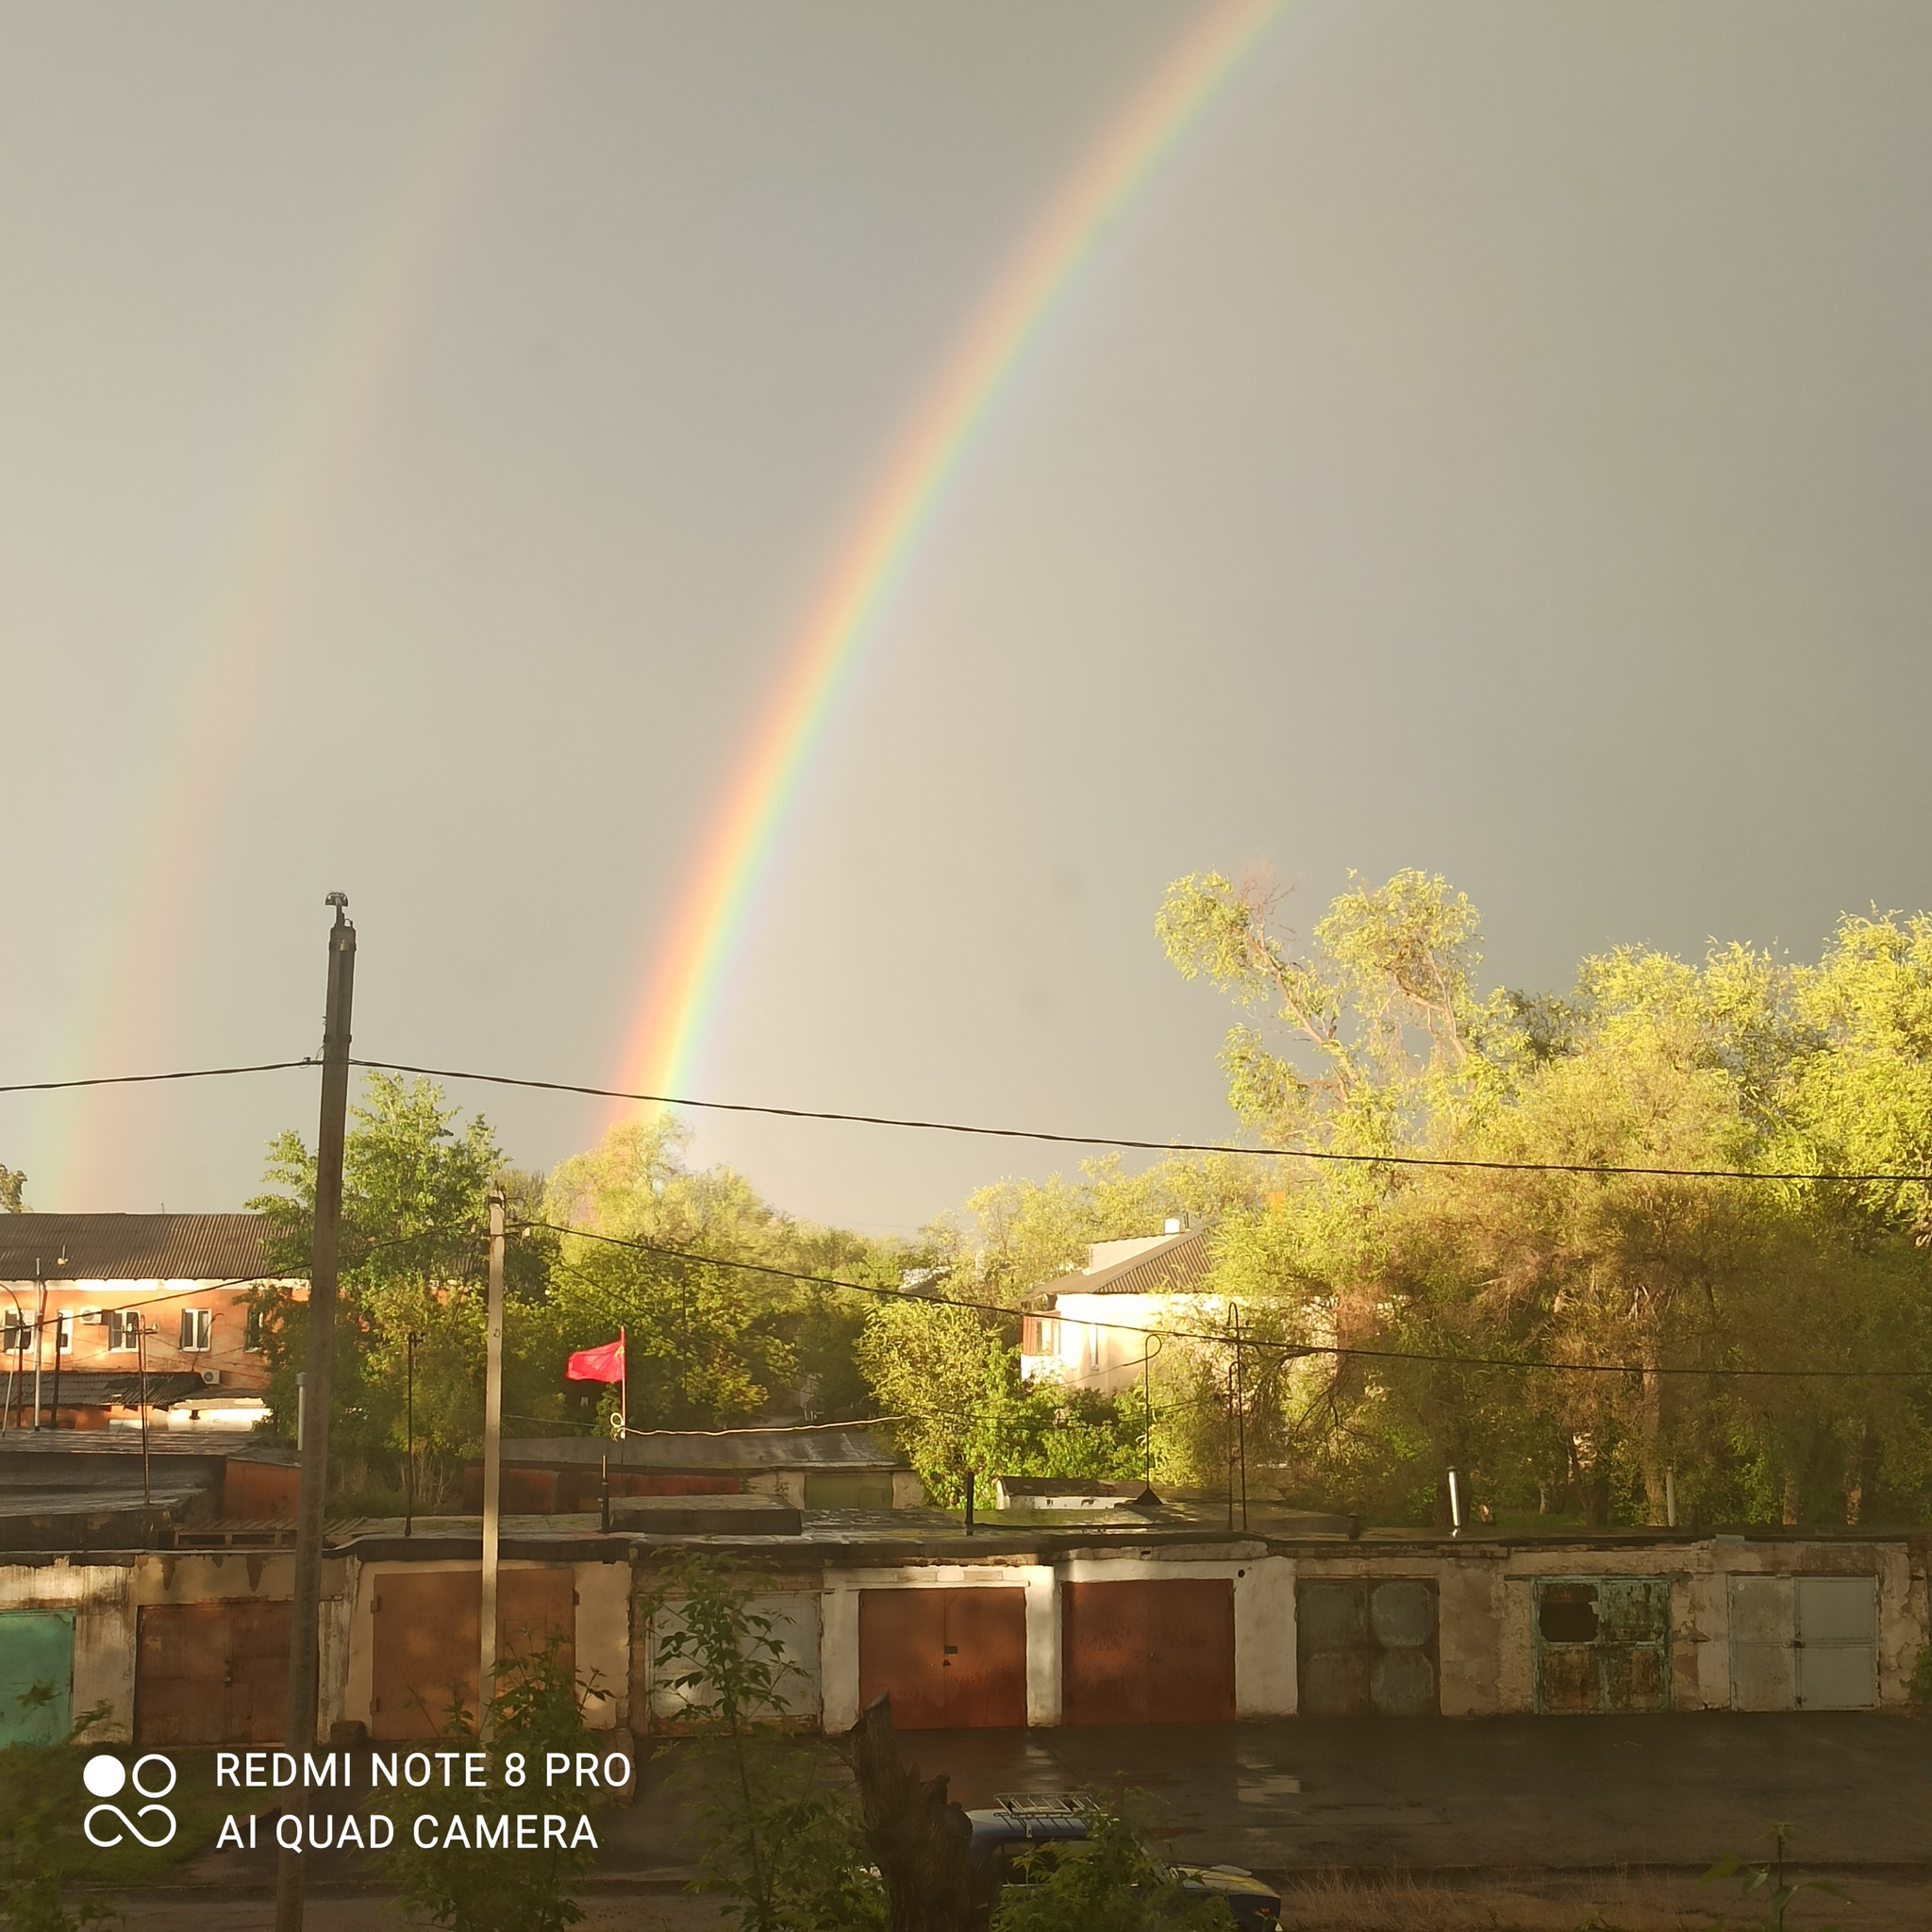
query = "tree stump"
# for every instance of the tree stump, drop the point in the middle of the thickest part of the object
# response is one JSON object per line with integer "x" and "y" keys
{"x": 922, "y": 1842}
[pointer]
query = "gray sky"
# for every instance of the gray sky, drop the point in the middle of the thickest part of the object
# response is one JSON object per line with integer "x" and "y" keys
{"x": 1496, "y": 442}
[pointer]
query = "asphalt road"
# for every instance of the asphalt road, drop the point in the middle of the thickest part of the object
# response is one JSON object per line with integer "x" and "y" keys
{"x": 1491, "y": 1800}
{"x": 1501, "y": 1794}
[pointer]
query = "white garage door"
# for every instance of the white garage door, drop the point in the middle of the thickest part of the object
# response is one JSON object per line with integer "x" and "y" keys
{"x": 1836, "y": 1642}
{"x": 1803, "y": 1642}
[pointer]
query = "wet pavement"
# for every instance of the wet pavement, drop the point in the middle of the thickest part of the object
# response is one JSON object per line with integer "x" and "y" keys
{"x": 1487, "y": 1800}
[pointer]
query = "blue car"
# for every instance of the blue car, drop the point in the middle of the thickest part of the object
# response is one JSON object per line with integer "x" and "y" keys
{"x": 1019, "y": 1821}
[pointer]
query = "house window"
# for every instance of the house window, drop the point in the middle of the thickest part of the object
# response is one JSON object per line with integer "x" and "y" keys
{"x": 123, "y": 1329}
{"x": 63, "y": 1333}
{"x": 256, "y": 1329}
{"x": 1040, "y": 1335}
{"x": 197, "y": 1326}
{"x": 17, "y": 1336}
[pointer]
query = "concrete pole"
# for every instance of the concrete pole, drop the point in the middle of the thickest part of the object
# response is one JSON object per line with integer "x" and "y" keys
{"x": 304, "y": 1620}
{"x": 493, "y": 1468}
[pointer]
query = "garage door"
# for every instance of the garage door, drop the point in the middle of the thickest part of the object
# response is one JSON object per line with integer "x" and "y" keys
{"x": 1803, "y": 1642}
{"x": 1601, "y": 1643}
{"x": 1366, "y": 1648}
{"x": 1147, "y": 1653}
{"x": 948, "y": 1658}
{"x": 36, "y": 1676}
{"x": 426, "y": 1640}
{"x": 212, "y": 1673}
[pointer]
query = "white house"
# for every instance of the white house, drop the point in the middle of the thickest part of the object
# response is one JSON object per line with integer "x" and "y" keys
{"x": 1097, "y": 1328}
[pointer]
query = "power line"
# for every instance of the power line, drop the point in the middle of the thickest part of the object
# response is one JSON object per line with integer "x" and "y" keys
{"x": 150, "y": 1080}
{"x": 979, "y": 1131}
{"x": 1283, "y": 1348}
{"x": 1043, "y": 1134}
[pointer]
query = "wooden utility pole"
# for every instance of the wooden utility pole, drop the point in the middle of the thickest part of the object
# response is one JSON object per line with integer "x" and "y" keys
{"x": 493, "y": 1468}
{"x": 1241, "y": 1412}
{"x": 305, "y": 1621}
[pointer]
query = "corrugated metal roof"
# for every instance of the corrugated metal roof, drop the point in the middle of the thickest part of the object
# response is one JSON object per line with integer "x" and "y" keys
{"x": 131, "y": 1247}
{"x": 819, "y": 1448}
{"x": 97, "y": 1388}
{"x": 1177, "y": 1266}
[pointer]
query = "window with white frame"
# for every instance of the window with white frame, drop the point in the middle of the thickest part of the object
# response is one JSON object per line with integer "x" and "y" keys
{"x": 198, "y": 1328}
{"x": 63, "y": 1333}
{"x": 18, "y": 1334}
{"x": 124, "y": 1330}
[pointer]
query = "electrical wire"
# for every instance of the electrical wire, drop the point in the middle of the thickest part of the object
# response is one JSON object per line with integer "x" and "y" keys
{"x": 150, "y": 1080}
{"x": 1045, "y": 1135}
{"x": 1319, "y": 1153}
{"x": 1285, "y": 1349}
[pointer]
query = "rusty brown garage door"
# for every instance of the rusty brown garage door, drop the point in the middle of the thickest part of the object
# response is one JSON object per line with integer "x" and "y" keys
{"x": 1147, "y": 1653}
{"x": 950, "y": 1659}
{"x": 212, "y": 1673}
{"x": 426, "y": 1645}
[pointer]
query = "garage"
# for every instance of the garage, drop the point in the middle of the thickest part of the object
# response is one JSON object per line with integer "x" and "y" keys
{"x": 1367, "y": 1647}
{"x": 950, "y": 1659}
{"x": 1148, "y": 1652}
{"x": 1803, "y": 1642}
{"x": 1601, "y": 1643}
{"x": 36, "y": 1676}
{"x": 427, "y": 1639}
{"x": 212, "y": 1673}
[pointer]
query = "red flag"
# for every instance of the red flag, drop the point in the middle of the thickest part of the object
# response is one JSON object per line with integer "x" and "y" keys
{"x": 604, "y": 1364}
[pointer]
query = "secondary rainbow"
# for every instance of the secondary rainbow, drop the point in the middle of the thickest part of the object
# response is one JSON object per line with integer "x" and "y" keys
{"x": 695, "y": 958}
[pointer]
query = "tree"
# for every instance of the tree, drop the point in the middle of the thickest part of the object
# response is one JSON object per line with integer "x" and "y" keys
{"x": 784, "y": 1844}
{"x": 951, "y": 1382}
{"x": 11, "y": 1198}
{"x": 1655, "y": 1314}
{"x": 415, "y": 1183}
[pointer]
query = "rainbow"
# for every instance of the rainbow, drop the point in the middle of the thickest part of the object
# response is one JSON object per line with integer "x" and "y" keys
{"x": 694, "y": 959}
{"x": 126, "y": 987}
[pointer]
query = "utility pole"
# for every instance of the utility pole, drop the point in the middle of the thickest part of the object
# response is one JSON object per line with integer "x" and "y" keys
{"x": 1241, "y": 1412}
{"x": 40, "y": 1328}
{"x": 410, "y": 1438}
{"x": 140, "y": 1358}
{"x": 305, "y": 1621}
{"x": 492, "y": 1469}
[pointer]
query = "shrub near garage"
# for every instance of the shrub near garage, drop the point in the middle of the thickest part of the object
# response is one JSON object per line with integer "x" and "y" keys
{"x": 539, "y": 1706}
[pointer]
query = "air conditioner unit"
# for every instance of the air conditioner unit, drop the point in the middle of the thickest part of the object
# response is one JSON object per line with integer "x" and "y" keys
{"x": 211, "y": 1378}
{"x": 93, "y": 1318}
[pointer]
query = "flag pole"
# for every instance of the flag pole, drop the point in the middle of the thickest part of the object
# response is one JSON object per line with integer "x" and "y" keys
{"x": 623, "y": 1388}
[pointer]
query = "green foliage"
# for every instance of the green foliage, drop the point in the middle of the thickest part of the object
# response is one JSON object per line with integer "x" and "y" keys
{"x": 1920, "y": 1687}
{"x": 537, "y": 1706}
{"x": 41, "y": 1800}
{"x": 1376, "y": 1041}
{"x": 954, "y": 1382}
{"x": 1769, "y": 1880}
{"x": 1107, "y": 1882}
{"x": 12, "y": 1183}
{"x": 784, "y": 1845}
{"x": 413, "y": 1255}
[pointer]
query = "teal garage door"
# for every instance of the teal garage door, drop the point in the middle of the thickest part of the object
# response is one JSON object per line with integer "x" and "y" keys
{"x": 36, "y": 1676}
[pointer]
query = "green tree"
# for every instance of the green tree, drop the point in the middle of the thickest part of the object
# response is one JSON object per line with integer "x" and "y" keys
{"x": 539, "y": 1706}
{"x": 785, "y": 1833}
{"x": 1110, "y": 1882}
{"x": 415, "y": 1182}
{"x": 951, "y": 1380}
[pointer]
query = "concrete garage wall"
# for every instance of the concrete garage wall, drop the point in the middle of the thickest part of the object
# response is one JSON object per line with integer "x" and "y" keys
{"x": 107, "y": 1598}
{"x": 101, "y": 1596}
{"x": 1699, "y": 1575}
